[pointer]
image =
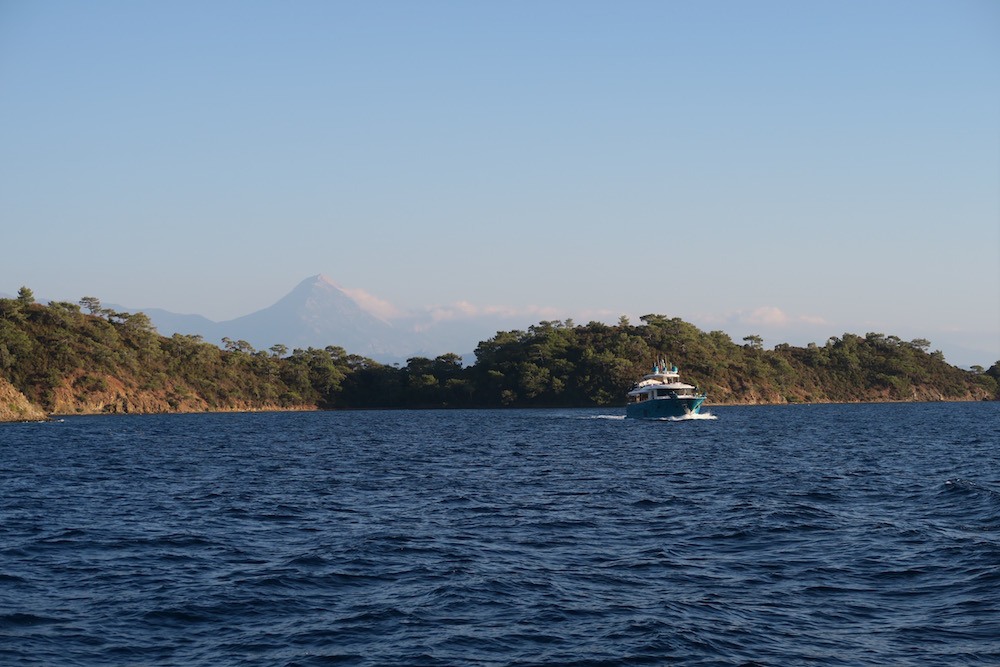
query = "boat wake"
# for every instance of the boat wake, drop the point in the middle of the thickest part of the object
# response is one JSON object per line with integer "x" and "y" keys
{"x": 690, "y": 417}
{"x": 700, "y": 416}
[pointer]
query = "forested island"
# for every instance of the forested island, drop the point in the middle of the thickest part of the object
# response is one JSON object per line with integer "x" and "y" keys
{"x": 58, "y": 359}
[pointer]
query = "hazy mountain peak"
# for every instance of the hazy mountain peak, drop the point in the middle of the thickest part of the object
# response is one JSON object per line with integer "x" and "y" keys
{"x": 319, "y": 281}
{"x": 323, "y": 279}
{"x": 316, "y": 313}
{"x": 313, "y": 296}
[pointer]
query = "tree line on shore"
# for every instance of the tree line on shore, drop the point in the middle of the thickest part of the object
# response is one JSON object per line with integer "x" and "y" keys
{"x": 67, "y": 361}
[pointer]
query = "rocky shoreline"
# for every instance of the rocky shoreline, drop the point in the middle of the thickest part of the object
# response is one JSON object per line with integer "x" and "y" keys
{"x": 15, "y": 407}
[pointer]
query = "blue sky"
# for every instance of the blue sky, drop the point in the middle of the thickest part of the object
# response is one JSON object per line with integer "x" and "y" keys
{"x": 791, "y": 169}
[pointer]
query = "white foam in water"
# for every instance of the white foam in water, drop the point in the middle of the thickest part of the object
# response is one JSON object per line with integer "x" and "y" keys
{"x": 688, "y": 417}
{"x": 692, "y": 416}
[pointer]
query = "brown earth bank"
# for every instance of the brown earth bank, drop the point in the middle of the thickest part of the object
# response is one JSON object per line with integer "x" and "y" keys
{"x": 15, "y": 407}
{"x": 109, "y": 395}
{"x": 916, "y": 395}
{"x": 106, "y": 394}
{"x": 89, "y": 394}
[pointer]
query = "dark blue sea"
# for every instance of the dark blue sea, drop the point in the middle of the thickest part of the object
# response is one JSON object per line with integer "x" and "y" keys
{"x": 791, "y": 535}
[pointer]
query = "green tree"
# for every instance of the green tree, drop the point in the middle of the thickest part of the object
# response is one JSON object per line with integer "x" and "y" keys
{"x": 92, "y": 304}
{"x": 25, "y": 296}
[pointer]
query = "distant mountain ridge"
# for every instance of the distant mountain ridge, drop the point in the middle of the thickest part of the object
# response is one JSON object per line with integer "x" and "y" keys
{"x": 316, "y": 313}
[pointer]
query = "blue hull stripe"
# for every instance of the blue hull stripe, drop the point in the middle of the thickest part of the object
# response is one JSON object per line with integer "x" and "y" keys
{"x": 664, "y": 408}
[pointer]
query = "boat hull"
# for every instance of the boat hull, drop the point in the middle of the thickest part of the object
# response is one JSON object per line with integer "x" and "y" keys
{"x": 665, "y": 408}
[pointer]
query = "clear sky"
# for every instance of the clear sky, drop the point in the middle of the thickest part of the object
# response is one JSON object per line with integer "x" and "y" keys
{"x": 785, "y": 168}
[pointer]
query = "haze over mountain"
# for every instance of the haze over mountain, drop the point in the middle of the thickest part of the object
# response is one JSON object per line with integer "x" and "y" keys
{"x": 318, "y": 313}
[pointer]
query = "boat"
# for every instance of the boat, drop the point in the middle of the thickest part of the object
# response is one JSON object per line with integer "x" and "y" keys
{"x": 662, "y": 395}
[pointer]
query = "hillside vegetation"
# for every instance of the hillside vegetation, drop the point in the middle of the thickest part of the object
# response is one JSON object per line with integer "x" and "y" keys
{"x": 56, "y": 359}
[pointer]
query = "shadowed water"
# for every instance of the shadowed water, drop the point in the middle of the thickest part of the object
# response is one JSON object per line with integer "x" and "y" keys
{"x": 795, "y": 535}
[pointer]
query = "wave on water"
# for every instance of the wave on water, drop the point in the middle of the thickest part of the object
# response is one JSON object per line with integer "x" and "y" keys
{"x": 701, "y": 416}
{"x": 693, "y": 416}
{"x": 689, "y": 417}
{"x": 504, "y": 537}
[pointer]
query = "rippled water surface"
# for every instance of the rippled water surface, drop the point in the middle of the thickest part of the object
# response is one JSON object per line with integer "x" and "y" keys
{"x": 796, "y": 535}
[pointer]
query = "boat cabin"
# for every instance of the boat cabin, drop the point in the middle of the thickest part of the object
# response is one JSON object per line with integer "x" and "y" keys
{"x": 645, "y": 392}
{"x": 662, "y": 384}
